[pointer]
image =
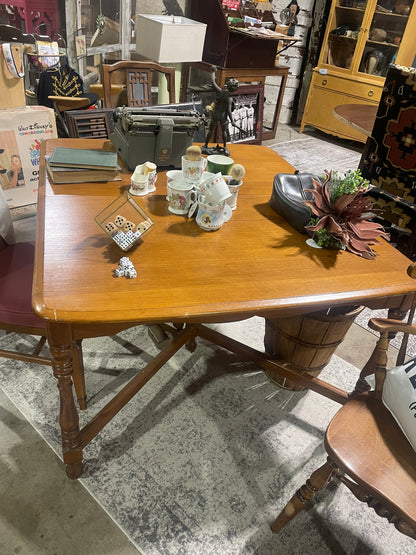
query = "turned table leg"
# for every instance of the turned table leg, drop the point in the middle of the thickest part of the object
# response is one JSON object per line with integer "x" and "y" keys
{"x": 68, "y": 416}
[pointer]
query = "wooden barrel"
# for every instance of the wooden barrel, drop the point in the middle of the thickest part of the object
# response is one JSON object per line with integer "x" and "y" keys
{"x": 307, "y": 342}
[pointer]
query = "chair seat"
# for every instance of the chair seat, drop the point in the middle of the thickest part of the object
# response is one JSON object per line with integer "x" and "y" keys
{"x": 365, "y": 441}
{"x": 16, "y": 274}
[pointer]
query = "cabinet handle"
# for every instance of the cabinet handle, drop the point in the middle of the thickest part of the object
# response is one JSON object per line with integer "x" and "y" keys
{"x": 324, "y": 82}
{"x": 370, "y": 93}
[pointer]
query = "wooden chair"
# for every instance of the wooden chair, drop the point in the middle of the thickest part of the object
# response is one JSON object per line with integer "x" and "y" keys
{"x": 367, "y": 451}
{"x": 16, "y": 313}
{"x": 138, "y": 78}
{"x": 61, "y": 104}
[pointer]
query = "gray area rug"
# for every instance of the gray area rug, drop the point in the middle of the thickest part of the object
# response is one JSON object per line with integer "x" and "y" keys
{"x": 207, "y": 454}
{"x": 363, "y": 318}
{"x": 315, "y": 155}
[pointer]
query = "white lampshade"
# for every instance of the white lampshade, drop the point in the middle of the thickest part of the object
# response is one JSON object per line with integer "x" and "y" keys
{"x": 169, "y": 39}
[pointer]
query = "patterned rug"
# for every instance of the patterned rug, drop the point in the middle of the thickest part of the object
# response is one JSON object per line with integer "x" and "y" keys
{"x": 363, "y": 318}
{"x": 207, "y": 453}
{"x": 314, "y": 155}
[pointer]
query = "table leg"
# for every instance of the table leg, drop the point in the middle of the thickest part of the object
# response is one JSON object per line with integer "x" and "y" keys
{"x": 68, "y": 415}
{"x": 396, "y": 314}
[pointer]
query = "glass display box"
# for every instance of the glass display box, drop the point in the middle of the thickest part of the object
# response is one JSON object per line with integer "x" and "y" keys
{"x": 125, "y": 221}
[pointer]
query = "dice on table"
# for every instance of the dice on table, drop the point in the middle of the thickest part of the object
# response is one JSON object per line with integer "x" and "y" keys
{"x": 111, "y": 228}
{"x": 129, "y": 226}
{"x": 120, "y": 220}
{"x": 120, "y": 239}
{"x": 125, "y": 268}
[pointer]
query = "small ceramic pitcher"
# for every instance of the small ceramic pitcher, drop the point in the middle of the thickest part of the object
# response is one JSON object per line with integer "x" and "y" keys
{"x": 150, "y": 171}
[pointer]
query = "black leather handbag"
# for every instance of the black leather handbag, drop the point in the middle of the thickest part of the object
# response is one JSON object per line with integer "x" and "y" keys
{"x": 289, "y": 190}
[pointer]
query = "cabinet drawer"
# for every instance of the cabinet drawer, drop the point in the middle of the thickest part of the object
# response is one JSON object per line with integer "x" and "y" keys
{"x": 365, "y": 91}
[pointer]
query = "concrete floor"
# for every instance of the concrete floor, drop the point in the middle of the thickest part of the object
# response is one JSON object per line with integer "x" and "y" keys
{"x": 33, "y": 518}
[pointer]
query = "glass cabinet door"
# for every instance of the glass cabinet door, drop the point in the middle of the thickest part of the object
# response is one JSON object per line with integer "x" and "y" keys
{"x": 344, "y": 30}
{"x": 365, "y": 36}
{"x": 384, "y": 35}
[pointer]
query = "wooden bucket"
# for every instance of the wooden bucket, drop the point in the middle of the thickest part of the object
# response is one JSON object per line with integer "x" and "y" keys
{"x": 307, "y": 342}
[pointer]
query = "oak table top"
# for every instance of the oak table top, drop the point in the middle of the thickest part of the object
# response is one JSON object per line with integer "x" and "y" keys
{"x": 256, "y": 264}
{"x": 360, "y": 117}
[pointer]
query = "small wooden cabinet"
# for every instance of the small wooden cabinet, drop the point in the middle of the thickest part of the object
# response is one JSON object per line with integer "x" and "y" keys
{"x": 361, "y": 39}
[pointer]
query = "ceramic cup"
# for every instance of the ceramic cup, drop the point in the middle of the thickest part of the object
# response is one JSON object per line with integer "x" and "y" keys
{"x": 193, "y": 169}
{"x": 232, "y": 201}
{"x": 205, "y": 177}
{"x": 215, "y": 189}
{"x": 180, "y": 196}
{"x": 211, "y": 218}
{"x": 175, "y": 175}
{"x": 219, "y": 163}
{"x": 139, "y": 184}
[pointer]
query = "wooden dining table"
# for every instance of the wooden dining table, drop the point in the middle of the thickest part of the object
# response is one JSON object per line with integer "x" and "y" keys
{"x": 256, "y": 264}
{"x": 360, "y": 117}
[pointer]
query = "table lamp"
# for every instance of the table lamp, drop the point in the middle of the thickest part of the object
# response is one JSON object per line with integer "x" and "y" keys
{"x": 169, "y": 40}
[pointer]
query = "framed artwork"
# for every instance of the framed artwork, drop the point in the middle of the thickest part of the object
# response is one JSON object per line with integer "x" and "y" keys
{"x": 247, "y": 110}
{"x": 247, "y": 107}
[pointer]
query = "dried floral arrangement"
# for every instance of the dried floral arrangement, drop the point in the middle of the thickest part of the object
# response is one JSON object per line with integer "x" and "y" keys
{"x": 342, "y": 214}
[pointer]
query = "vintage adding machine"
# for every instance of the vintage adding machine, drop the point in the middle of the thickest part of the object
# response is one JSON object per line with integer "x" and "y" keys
{"x": 158, "y": 134}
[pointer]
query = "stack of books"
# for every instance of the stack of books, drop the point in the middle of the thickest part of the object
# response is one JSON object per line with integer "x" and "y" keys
{"x": 75, "y": 165}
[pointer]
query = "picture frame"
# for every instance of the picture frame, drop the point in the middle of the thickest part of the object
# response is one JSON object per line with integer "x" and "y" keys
{"x": 198, "y": 86}
{"x": 247, "y": 110}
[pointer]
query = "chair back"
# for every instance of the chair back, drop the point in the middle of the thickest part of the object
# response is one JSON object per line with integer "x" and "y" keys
{"x": 137, "y": 78}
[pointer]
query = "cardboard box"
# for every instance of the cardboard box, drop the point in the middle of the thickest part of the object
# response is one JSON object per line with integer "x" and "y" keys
{"x": 169, "y": 39}
{"x": 22, "y": 130}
